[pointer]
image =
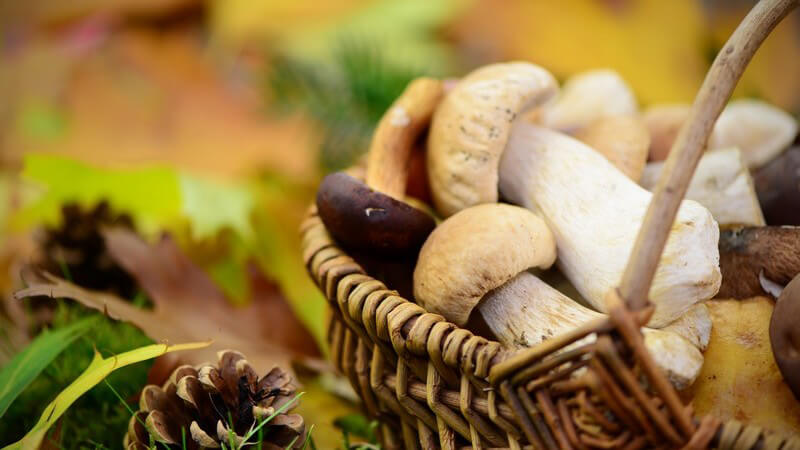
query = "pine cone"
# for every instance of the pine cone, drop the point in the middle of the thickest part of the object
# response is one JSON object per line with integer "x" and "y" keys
{"x": 210, "y": 401}
{"x": 77, "y": 245}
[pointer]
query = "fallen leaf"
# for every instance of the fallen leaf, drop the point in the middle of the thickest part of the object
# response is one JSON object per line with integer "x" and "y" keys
{"x": 571, "y": 36}
{"x": 774, "y": 70}
{"x": 156, "y": 197}
{"x": 44, "y": 12}
{"x": 277, "y": 248}
{"x": 142, "y": 97}
{"x": 97, "y": 371}
{"x": 159, "y": 198}
{"x": 187, "y": 305}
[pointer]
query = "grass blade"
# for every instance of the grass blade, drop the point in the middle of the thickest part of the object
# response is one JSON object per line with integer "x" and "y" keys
{"x": 97, "y": 371}
{"x": 29, "y": 363}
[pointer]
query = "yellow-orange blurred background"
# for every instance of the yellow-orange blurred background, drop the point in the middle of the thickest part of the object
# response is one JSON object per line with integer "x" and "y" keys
{"x": 185, "y": 84}
{"x": 179, "y": 81}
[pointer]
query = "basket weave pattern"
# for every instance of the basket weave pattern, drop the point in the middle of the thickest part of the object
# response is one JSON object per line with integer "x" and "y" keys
{"x": 434, "y": 385}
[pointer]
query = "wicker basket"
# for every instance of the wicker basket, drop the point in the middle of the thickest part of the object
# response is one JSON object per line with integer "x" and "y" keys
{"x": 432, "y": 384}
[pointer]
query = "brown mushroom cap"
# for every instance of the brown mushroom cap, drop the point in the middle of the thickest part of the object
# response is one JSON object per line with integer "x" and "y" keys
{"x": 778, "y": 188}
{"x": 784, "y": 334}
{"x": 749, "y": 254}
{"x": 470, "y": 129}
{"x": 475, "y": 251}
{"x": 363, "y": 218}
{"x": 623, "y": 140}
{"x": 371, "y": 216}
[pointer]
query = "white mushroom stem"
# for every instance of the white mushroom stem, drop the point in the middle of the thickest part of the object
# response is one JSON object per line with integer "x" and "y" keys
{"x": 526, "y": 311}
{"x": 722, "y": 183}
{"x": 694, "y": 326}
{"x": 595, "y": 213}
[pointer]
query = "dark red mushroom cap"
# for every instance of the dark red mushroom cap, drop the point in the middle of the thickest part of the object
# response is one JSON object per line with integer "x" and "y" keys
{"x": 364, "y": 219}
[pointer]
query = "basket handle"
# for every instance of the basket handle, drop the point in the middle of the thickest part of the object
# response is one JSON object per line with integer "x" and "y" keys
{"x": 690, "y": 143}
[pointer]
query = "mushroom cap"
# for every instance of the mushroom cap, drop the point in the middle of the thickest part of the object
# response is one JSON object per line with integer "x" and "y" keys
{"x": 784, "y": 335}
{"x": 664, "y": 122}
{"x": 750, "y": 255}
{"x": 623, "y": 140}
{"x": 475, "y": 251}
{"x": 588, "y": 96}
{"x": 363, "y": 218}
{"x": 761, "y": 131}
{"x": 778, "y": 188}
{"x": 470, "y": 129}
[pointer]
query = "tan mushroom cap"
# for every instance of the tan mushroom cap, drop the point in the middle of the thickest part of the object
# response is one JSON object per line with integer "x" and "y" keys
{"x": 470, "y": 129}
{"x": 475, "y": 251}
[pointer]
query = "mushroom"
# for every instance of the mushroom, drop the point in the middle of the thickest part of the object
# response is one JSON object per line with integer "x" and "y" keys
{"x": 587, "y": 97}
{"x": 784, "y": 335}
{"x": 592, "y": 208}
{"x": 756, "y": 261}
{"x": 778, "y": 188}
{"x": 761, "y": 131}
{"x": 595, "y": 212}
{"x": 481, "y": 107}
{"x": 722, "y": 183}
{"x": 623, "y": 140}
{"x": 479, "y": 259}
{"x": 663, "y": 122}
{"x": 373, "y": 215}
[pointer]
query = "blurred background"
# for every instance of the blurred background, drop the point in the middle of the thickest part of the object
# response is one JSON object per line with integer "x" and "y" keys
{"x": 214, "y": 120}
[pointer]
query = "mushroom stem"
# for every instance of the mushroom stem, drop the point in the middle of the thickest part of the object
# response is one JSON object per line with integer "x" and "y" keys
{"x": 595, "y": 213}
{"x": 389, "y": 153}
{"x": 525, "y": 311}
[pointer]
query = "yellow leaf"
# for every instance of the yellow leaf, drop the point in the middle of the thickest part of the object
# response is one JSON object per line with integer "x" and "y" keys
{"x": 98, "y": 370}
{"x": 775, "y": 68}
{"x": 657, "y": 46}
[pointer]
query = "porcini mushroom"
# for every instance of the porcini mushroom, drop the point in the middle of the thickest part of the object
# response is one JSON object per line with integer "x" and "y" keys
{"x": 757, "y": 261}
{"x": 477, "y": 115}
{"x": 623, "y": 140}
{"x": 478, "y": 259}
{"x": 587, "y": 97}
{"x": 761, "y": 131}
{"x": 663, "y": 122}
{"x": 778, "y": 188}
{"x": 722, "y": 183}
{"x": 784, "y": 335}
{"x": 740, "y": 379}
{"x": 374, "y": 215}
{"x": 595, "y": 212}
{"x": 593, "y": 209}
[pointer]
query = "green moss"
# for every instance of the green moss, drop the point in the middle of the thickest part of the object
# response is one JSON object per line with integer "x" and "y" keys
{"x": 97, "y": 419}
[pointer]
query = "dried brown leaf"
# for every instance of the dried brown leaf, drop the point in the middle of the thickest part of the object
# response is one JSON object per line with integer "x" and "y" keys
{"x": 188, "y": 306}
